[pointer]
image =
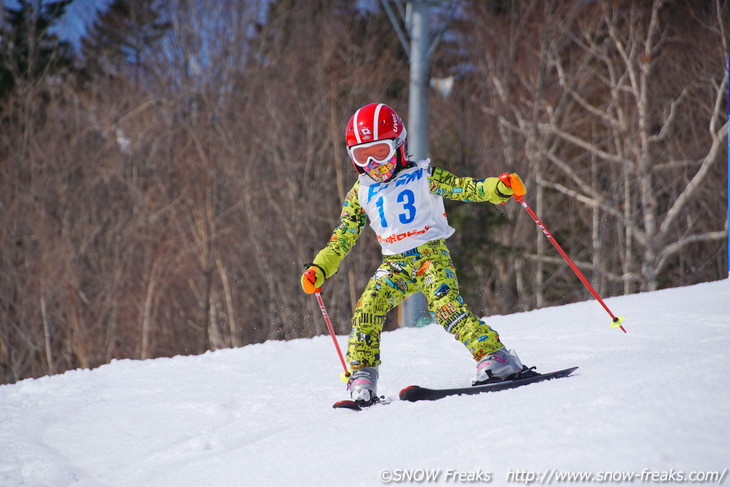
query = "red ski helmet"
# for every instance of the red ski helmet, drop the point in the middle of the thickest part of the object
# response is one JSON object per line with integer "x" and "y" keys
{"x": 376, "y": 141}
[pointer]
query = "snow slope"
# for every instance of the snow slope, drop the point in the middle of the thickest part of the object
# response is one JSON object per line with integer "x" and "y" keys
{"x": 655, "y": 400}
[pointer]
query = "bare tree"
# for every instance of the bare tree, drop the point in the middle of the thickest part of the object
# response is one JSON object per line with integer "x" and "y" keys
{"x": 593, "y": 99}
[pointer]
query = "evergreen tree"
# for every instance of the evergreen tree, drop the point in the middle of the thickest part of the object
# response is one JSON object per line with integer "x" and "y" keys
{"x": 122, "y": 38}
{"x": 29, "y": 51}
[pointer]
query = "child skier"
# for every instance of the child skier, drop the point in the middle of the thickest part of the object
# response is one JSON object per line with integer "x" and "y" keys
{"x": 404, "y": 202}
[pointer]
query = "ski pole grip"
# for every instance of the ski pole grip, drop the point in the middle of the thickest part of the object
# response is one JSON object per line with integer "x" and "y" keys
{"x": 514, "y": 182}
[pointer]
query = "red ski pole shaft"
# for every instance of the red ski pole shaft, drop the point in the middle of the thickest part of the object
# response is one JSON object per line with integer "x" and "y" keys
{"x": 332, "y": 332}
{"x": 577, "y": 271}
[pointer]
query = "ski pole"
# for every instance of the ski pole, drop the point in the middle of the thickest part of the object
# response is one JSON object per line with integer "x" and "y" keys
{"x": 519, "y": 193}
{"x": 332, "y": 330}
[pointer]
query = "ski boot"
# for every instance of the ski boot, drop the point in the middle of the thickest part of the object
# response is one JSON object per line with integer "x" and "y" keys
{"x": 363, "y": 385}
{"x": 497, "y": 366}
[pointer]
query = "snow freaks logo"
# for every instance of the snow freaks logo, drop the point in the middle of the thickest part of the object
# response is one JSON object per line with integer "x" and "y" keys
{"x": 550, "y": 476}
{"x": 421, "y": 475}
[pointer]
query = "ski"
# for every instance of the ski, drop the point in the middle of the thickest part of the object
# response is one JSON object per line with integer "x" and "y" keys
{"x": 418, "y": 393}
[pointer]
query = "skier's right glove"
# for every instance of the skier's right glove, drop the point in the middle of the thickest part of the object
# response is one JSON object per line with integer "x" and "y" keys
{"x": 514, "y": 182}
{"x": 312, "y": 279}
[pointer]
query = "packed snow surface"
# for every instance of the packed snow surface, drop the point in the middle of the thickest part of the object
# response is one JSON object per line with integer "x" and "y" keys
{"x": 654, "y": 401}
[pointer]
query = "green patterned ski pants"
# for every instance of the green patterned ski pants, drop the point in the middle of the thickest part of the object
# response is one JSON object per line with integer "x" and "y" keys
{"x": 428, "y": 269}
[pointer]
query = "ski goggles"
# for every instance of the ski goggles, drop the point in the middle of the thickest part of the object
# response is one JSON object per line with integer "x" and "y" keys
{"x": 379, "y": 151}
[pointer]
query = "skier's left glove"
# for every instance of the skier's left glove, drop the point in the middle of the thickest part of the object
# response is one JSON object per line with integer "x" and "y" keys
{"x": 312, "y": 279}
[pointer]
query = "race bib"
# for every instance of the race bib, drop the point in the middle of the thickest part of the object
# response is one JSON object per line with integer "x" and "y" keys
{"x": 403, "y": 212}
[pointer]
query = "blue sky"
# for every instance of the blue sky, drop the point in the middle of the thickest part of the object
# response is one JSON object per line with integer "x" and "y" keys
{"x": 80, "y": 14}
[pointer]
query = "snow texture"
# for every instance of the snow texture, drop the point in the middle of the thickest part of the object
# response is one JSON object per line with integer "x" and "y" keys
{"x": 655, "y": 398}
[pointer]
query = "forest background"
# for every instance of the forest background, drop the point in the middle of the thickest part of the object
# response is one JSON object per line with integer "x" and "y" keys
{"x": 163, "y": 182}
